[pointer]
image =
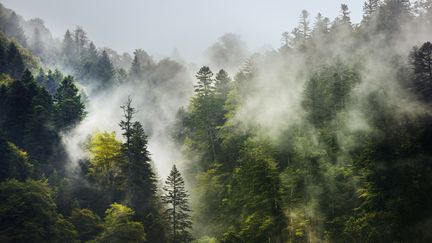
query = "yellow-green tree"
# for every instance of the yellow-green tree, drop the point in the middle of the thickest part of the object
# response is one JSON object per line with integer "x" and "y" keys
{"x": 119, "y": 227}
{"x": 106, "y": 162}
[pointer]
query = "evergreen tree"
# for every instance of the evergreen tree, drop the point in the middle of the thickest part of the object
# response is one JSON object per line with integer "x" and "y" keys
{"x": 141, "y": 65}
{"x": 68, "y": 104}
{"x": 105, "y": 71}
{"x": 301, "y": 33}
{"x": 421, "y": 59}
{"x": 178, "y": 211}
{"x": 40, "y": 136}
{"x": 68, "y": 49}
{"x": 370, "y": 7}
{"x": 321, "y": 26}
{"x": 18, "y": 105}
{"x": 205, "y": 85}
{"x": 28, "y": 214}
{"x": 222, "y": 84}
{"x": 14, "y": 61}
{"x": 141, "y": 189}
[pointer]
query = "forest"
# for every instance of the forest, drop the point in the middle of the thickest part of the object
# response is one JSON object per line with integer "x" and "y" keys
{"x": 327, "y": 138}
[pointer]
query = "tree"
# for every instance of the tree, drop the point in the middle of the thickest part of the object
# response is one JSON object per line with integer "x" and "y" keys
{"x": 321, "y": 26}
{"x": 40, "y": 135}
{"x": 87, "y": 223}
{"x": 105, "y": 70}
{"x": 15, "y": 62}
{"x": 370, "y": 7}
{"x": 141, "y": 189}
{"x": 141, "y": 65}
{"x": 106, "y": 161}
{"x": 222, "y": 84}
{"x": 421, "y": 60}
{"x": 119, "y": 227}
{"x": 205, "y": 85}
{"x": 68, "y": 49}
{"x": 18, "y": 106}
{"x": 178, "y": 210}
{"x": 301, "y": 33}
{"x": 345, "y": 14}
{"x": 14, "y": 163}
{"x": 69, "y": 107}
{"x": 28, "y": 214}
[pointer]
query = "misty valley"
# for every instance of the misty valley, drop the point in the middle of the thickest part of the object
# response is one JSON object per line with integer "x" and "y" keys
{"x": 325, "y": 138}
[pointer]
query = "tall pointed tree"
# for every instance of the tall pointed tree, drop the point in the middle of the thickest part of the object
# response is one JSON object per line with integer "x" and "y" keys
{"x": 68, "y": 104}
{"x": 140, "y": 180}
{"x": 178, "y": 210}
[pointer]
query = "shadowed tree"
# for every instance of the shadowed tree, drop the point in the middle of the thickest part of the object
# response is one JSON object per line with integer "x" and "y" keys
{"x": 421, "y": 59}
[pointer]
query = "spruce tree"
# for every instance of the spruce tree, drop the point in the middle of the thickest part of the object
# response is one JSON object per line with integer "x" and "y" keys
{"x": 178, "y": 210}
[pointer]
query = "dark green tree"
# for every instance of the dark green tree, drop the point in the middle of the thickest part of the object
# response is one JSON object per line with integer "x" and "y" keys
{"x": 119, "y": 227}
{"x": 141, "y": 189}
{"x": 87, "y": 224}
{"x": 69, "y": 107}
{"x": 178, "y": 210}
{"x": 421, "y": 60}
{"x": 105, "y": 71}
{"x": 28, "y": 214}
{"x": 14, "y": 61}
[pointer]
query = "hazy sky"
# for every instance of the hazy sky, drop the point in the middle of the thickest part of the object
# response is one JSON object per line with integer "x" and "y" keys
{"x": 159, "y": 26}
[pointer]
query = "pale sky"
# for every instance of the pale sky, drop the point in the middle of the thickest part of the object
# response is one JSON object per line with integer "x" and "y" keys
{"x": 191, "y": 26}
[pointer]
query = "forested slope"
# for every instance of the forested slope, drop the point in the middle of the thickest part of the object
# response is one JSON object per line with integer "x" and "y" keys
{"x": 326, "y": 139}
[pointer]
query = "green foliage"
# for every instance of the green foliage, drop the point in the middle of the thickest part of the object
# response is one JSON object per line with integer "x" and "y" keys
{"x": 178, "y": 210}
{"x": 28, "y": 214}
{"x": 14, "y": 163}
{"x": 106, "y": 159}
{"x": 69, "y": 105}
{"x": 119, "y": 227}
{"x": 87, "y": 223}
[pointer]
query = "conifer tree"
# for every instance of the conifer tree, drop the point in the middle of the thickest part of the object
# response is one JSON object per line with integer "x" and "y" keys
{"x": 140, "y": 180}
{"x": 14, "y": 61}
{"x": 68, "y": 104}
{"x": 421, "y": 59}
{"x": 178, "y": 210}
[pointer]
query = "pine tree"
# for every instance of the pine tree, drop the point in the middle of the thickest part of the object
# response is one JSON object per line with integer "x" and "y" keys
{"x": 370, "y": 7}
{"x": 178, "y": 210}
{"x": 345, "y": 14}
{"x": 321, "y": 25}
{"x": 301, "y": 33}
{"x": 205, "y": 85}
